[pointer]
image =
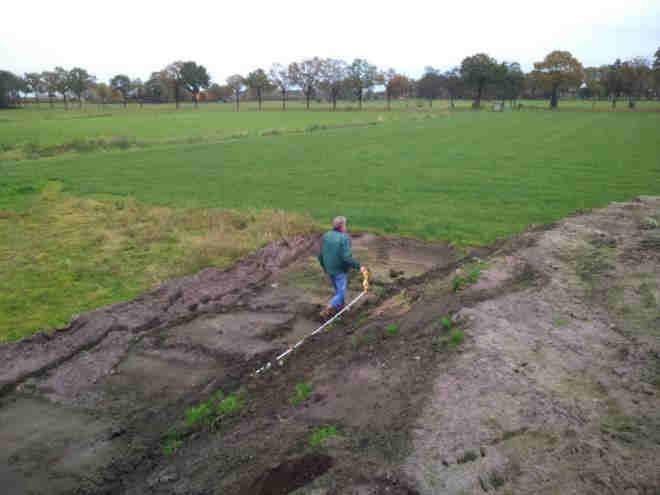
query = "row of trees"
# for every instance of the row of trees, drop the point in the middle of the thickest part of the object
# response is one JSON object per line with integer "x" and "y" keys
{"x": 478, "y": 76}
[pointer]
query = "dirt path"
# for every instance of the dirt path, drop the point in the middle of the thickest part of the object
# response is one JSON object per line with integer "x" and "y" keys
{"x": 554, "y": 389}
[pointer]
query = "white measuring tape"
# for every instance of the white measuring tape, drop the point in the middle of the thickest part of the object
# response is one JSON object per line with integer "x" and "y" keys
{"x": 279, "y": 359}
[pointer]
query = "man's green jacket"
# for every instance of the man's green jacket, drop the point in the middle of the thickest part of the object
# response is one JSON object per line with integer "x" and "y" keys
{"x": 335, "y": 256}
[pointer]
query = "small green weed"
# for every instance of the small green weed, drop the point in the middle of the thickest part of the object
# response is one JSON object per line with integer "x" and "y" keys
{"x": 456, "y": 337}
{"x": 470, "y": 275}
{"x": 302, "y": 392}
{"x": 453, "y": 337}
{"x": 649, "y": 223}
{"x": 215, "y": 408}
{"x": 392, "y": 329}
{"x": 201, "y": 413}
{"x": 317, "y": 436}
{"x": 559, "y": 322}
{"x": 445, "y": 321}
{"x": 172, "y": 443}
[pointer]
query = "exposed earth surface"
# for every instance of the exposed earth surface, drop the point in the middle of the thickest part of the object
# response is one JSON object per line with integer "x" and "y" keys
{"x": 528, "y": 367}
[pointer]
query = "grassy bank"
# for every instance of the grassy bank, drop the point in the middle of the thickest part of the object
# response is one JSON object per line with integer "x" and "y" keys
{"x": 62, "y": 255}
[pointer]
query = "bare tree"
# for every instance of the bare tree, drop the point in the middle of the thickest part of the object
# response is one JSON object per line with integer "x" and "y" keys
{"x": 62, "y": 84}
{"x": 281, "y": 78}
{"x": 237, "y": 84}
{"x": 392, "y": 82}
{"x": 430, "y": 85}
{"x": 172, "y": 73}
{"x": 453, "y": 83}
{"x": 34, "y": 84}
{"x": 50, "y": 79}
{"x": 333, "y": 74}
{"x": 306, "y": 75}
{"x": 361, "y": 75}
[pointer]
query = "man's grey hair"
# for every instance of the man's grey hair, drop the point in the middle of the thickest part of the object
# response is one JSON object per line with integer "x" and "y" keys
{"x": 338, "y": 222}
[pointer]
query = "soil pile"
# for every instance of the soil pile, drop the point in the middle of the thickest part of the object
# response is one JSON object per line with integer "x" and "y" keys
{"x": 531, "y": 367}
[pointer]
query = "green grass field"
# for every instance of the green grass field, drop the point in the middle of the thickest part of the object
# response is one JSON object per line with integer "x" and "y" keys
{"x": 79, "y": 230}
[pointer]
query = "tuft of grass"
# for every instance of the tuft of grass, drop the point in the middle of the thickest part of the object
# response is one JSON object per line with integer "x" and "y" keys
{"x": 453, "y": 336}
{"x": 301, "y": 393}
{"x": 199, "y": 414}
{"x": 445, "y": 321}
{"x": 468, "y": 456}
{"x": 319, "y": 435}
{"x": 315, "y": 127}
{"x": 171, "y": 443}
{"x": 593, "y": 263}
{"x": 218, "y": 406}
{"x": 466, "y": 277}
{"x": 392, "y": 329}
{"x": 649, "y": 223}
{"x": 456, "y": 337}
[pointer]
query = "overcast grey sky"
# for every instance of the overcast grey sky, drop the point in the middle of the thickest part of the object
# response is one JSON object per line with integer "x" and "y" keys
{"x": 137, "y": 37}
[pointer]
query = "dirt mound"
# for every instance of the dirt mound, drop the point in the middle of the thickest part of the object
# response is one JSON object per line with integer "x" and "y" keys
{"x": 528, "y": 367}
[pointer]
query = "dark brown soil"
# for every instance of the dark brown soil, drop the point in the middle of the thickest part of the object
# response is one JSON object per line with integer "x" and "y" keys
{"x": 554, "y": 388}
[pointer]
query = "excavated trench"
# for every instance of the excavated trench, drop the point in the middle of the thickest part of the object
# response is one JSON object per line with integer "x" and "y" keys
{"x": 552, "y": 388}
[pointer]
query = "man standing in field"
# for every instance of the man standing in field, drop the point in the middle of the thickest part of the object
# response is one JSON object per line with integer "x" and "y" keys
{"x": 336, "y": 260}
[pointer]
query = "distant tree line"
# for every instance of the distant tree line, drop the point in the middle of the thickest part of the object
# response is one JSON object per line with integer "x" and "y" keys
{"x": 478, "y": 76}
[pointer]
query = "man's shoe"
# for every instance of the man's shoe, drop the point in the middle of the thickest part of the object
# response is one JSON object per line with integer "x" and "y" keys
{"x": 327, "y": 313}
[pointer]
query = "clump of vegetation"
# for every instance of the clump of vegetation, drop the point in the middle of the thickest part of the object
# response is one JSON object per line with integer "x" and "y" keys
{"x": 445, "y": 321}
{"x": 206, "y": 414}
{"x": 452, "y": 335}
{"x": 218, "y": 406}
{"x": 465, "y": 277}
{"x": 171, "y": 443}
{"x": 456, "y": 337}
{"x": 591, "y": 264}
{"x": 271, "y": 132}
{"x": 622, "y": 427}
{"x": 319, "y": 435}
{"x": 392, "y": 329}
{"x": 315, "y": 127}
{"x": 649, "y": 223}
{"x": 302, "y": 392}
{"x": 468, "y": 456}
{"x": 239, "y": 135}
